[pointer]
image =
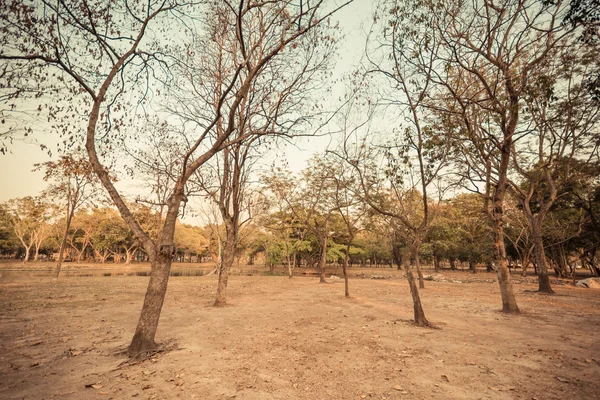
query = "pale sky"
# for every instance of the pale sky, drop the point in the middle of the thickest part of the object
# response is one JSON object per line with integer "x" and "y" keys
{"x": 18, "y": 180}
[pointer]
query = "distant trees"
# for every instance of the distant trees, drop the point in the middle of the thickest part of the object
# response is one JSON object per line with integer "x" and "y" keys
{"x": 28, "y": 217}
{"x": 73, "y": 185}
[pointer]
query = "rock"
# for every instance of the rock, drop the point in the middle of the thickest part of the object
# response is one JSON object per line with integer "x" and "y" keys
{"x": 592, "y": 283}
{"x": 335, "y": 278}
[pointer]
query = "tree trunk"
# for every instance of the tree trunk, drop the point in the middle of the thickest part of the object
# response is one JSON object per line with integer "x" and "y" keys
{"x": 563, "y": 263}
{"x": 63, "y": 243}
{"x": 323, "y": 260}
{"x": 509, "y": 302}
{"x": 345, "y": 269}
{"x": 397, "y": 254}
{"x": 525, "y": 261}
{"x": 143, "y": 340}
{"x": 419, "y": 314}
{"x": 227, "y": 260}
{"x": 26, "y": 258}
{"x": 128, "y": 256}
{"x": 472, "y": 267}
{"x": 288, "y": 259}
{"x": 452, "y": 263}
{"x": 540, "y": 258}
{"x": 416, "y": 247}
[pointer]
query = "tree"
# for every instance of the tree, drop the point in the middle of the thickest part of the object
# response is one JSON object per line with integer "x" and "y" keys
{"x": 28, "y": 217}
{"x": 279, "y": 191}
{"x": 9, "y": 243}
{"x": 73, "y": 186}
{"x": 349, "y": 206}
{"x": 316, "y": 207}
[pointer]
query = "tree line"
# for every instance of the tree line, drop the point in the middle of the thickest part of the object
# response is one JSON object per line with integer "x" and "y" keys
{"x": 316, "y": 216}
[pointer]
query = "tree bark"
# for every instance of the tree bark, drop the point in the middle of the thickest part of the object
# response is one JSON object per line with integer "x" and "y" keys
{"x": 323, "y": 260}
{"x": 143, "y": 339}
{"x": 419, "y": 314}
{"x": 26, "y": 258}
{"x": 416, "y": 247}
{"x": 288, "y": 259}
{"x": 345, "y": 269}
{"x": 472, "y": 267}
{"x": 540, "y": 258}
{"x": 509, "y": 302}
{"x": 227, "y": 260}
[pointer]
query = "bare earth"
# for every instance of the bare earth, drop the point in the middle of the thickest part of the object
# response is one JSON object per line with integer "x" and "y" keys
{"x": 286, "y": 338}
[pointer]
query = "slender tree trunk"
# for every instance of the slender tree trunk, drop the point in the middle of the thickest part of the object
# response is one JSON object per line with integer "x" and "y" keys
{"x": 345, "y": 269}
{"x": 143, "y": 340}
{"x": 416, "y": 247}
{"x": 27, "y": 250}
{"x": 288, "y": 259}
{"x": 419, "y": 314}
{"x": 525, "y": 261}
{"x": 473, "y": 266}
{"x": 323, "y": 260}
{"x": 63, "y": 244}
{"x": 227, "y": 260}
{"x": 563, "y": 261}
{"x": 540, "y": 258}
{"x": 509, "y": 302}
{"x": 128, "y": 256}
{"x": 397, "y": 253}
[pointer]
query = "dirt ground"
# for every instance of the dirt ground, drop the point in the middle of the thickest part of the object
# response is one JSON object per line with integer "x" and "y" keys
{"x": 286, "y": 338}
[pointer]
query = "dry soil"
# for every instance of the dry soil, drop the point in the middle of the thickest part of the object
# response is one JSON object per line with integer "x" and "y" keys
{"x": 283, "y": 338}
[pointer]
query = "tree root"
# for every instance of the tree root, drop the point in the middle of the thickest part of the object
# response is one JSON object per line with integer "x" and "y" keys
{"x": 145, "y": 355}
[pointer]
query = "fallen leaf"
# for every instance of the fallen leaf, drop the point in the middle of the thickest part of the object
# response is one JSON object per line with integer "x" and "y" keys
{"x": 561, "y": 379}
{"x": 93, "y": 385}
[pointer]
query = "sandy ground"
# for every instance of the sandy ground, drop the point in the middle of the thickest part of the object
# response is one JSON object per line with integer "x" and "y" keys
{"x": 286, "y": 338}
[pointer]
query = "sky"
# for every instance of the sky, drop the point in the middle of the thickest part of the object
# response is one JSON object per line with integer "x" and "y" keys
{"x": 18, "y": 180}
